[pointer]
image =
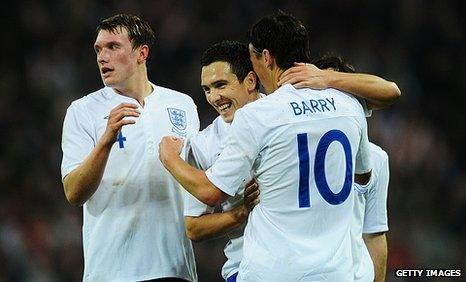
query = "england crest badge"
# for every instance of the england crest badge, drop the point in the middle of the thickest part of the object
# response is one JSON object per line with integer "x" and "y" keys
{"x": 177, "y": 118}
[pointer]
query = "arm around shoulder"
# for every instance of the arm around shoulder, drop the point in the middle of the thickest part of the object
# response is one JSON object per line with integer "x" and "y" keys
{"x": 378, "y": 92}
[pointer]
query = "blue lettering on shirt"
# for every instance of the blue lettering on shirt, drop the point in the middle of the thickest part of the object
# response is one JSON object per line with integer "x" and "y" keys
{"x": 313, "y": 106}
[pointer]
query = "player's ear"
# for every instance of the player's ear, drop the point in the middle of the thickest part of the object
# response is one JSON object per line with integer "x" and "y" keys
{"x": 268, "y": 58}
{"x": 250, "y": 81}
{"x": 143, "y": 53}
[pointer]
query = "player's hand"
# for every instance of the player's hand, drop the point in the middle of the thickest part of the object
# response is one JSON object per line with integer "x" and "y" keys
{"x": 250, "y": 200}
{"x": 169, "y": 147}
{"x": 251, "y": 195}
{"x": 117, "y": 119}
{"x": 305, "y": 76}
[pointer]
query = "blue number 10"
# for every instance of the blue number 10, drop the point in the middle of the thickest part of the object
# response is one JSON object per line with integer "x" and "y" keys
{"x": 319, "y": 169}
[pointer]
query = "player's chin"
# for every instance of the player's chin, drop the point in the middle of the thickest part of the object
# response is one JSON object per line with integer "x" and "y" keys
{"x": 228, "y": 118}
{"x": 109, "y": 82}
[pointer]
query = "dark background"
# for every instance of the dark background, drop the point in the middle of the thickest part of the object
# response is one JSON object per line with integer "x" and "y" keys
{"x": 47, "y": 61}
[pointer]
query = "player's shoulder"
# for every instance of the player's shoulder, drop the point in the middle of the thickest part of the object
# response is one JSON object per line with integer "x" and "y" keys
{"x": 214, "y": 131}
{"x": 378, "y": 153}
{"x": 264, "y": 102}
{"x": 343, "y": 96}
{"x": 170, "y": 94}
{"x": 84, "y": 102}
{"x": 217, "y": 127}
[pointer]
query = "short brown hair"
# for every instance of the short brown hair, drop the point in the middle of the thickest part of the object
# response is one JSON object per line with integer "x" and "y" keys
{"x": 139, "y": 31}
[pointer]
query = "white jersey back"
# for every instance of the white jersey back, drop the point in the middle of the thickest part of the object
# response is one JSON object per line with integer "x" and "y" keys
{"x": 133, "y": 227}
{"x": 303, "y": 147}
{"x": 370, "y": 214}
{"x": 204, "y": 148}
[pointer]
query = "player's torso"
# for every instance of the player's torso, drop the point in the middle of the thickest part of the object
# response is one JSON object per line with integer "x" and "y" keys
{"x": 305, "y": 172}
{"x": 138, "y": 202}
{"x": 133, "y": 167}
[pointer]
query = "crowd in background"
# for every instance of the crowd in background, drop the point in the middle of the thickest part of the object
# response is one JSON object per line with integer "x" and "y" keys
{"x": 48, "y": 61}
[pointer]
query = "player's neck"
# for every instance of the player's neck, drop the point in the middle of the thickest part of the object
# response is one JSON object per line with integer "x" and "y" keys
{"x": 138, "y": 87}
{"x": 276, "y": 74}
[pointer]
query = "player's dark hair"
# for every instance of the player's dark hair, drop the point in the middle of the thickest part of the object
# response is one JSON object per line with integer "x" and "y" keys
{"x": 333, "y": 62}
{"x": 139, "y": 31}
{"x": 284, "y": 36}
{"x": 232, "y": 52}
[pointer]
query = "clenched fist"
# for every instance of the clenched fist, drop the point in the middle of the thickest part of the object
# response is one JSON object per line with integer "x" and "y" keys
{"x": 169, "y": 147}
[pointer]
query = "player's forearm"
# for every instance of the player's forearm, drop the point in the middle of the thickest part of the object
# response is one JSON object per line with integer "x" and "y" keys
{"x": 193, "y": 180}
{"x": 82, "y": 182}
{"x": 378, "y": 92}
{"x": 209, "y": 226}
{"x": 377, "y": 247}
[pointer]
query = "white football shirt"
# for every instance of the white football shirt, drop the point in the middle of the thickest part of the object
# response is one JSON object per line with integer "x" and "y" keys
{"x": 303, "y": 146}
{"x": 133, "y": 225}
{"x": 370, "y": 214}
{"x": 204, "y": 148}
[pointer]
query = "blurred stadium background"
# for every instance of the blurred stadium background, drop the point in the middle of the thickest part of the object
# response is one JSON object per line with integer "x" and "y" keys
{"x": 47, "y": 60}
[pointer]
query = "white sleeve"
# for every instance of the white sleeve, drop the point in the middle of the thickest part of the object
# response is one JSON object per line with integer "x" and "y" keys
{"x": 194, "y": 207}
{"x": 234, "y": 165}
{"x": 363, "y": 156}
{"x": 375, "y": 217}
{"x": 197, "y": 158}
{"x": 197, "y": 154}
{"x": 363, "y": 102}
{"x": 77, "y": 138}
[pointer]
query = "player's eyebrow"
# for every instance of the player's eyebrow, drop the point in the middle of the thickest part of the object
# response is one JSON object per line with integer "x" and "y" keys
{"x": 219, "y": 82}
{"x": 214, "y": 84}
{"x": 109, "y": 43}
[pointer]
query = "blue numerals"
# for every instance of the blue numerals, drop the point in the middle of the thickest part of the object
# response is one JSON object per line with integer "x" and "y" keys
{"x": 319, "y": 169}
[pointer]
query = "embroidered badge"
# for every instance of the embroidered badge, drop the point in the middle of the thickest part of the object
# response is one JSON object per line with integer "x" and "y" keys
{"x": 177, "y": 118}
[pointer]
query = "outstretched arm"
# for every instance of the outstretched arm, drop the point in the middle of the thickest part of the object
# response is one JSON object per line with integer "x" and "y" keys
{"x": 192, "y": 179}
{"x": 213, "y": 225}
{"x": 378, "y": 92}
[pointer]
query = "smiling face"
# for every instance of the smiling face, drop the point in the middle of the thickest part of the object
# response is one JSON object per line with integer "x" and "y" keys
{"x": 117, "y": 60}
{"x": 223, "y": 90}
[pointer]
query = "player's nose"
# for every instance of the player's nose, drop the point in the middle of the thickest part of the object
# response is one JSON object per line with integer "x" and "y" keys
{"x": 215, "y": 95}
{"x": 102, "y": 56}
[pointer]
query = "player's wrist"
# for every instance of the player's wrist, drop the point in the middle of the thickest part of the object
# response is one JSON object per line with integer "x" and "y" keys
{"x": 240, "y": 213}
{"x": 331, "y": 78}
{"x": 105, "y": 143}
{"x": 169, "y": 159}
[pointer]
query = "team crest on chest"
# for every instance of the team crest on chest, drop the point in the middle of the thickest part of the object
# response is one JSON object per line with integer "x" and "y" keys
{"x": 177, "y": 118}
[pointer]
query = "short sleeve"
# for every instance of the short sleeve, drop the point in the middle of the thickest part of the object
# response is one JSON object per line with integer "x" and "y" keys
{"x": 235, "y": 163}
{"x": 194, "y": 207}
{"x": 375, "y": 217}
{"x": 363, "y": 156}
{"x": 363, "y": 102}
{"x": 196, "y": 152}
{"x": 77, "y": 139}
